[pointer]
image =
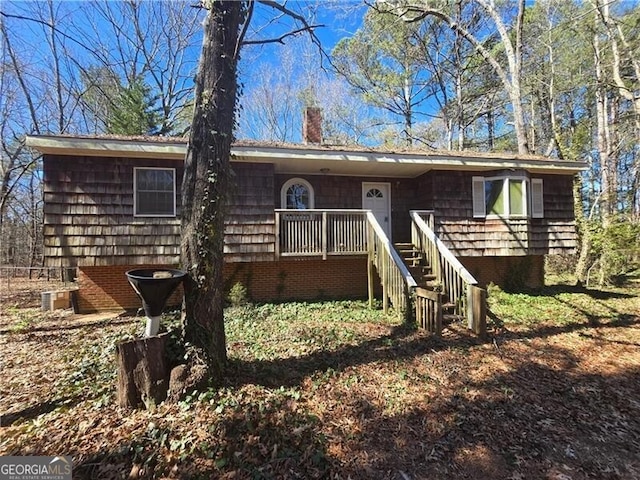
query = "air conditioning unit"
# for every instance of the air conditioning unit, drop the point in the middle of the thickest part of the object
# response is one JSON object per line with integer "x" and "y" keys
{"x": 55, "y": 300}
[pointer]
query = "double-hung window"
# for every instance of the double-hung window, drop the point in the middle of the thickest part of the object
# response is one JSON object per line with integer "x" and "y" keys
{"x": 154, "y": 192}
{"x": 507, "y": 197}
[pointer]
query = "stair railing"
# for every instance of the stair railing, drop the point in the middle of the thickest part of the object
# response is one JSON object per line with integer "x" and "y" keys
{"x": 397, "y": 282}
{"x": 457, "y": 284}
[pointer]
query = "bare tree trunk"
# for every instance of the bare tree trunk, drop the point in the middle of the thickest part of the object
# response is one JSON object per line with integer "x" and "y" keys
{"x": 552, "y": 96}
{"x": 458, "y": 79}
{"x": 584, "y": 233}
{"x": 619, "y": 48}
{"x": 204, "y": 188}
{"x": 408, "y": 110}
{"x": 490, "y": 130}
{"x": 459, "y": 111}
{"x": 510, "y": 78}
{"x": 603, "y": 109}
{"x": 606, "y": 113}
{"x": 448, "y": 122}
{"x": 62, "y": 122}
{"x": 515, "y": 67}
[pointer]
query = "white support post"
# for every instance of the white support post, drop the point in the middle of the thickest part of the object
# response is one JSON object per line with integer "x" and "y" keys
{"x": 324, "y": 235}
{"x": 153, "y": 326}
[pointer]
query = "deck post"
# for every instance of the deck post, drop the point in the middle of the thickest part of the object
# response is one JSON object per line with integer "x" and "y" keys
{"x": 277, "y": 227}
{"x": 385, "y": 280}
{"x": 370, "y": 266}
{"x": 324, "y": 235}
{"x": 370, "y": 278}
{"x": 409, "y": 307}
{"x": 477, "y": 310}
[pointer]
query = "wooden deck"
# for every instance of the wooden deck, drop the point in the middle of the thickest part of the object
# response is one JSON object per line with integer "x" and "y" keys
{"x": 322, "y": 233}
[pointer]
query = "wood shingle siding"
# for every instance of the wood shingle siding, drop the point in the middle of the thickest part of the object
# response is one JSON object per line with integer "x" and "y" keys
{"x": 345, "y": 192}
{"x": 467, "y": 236}
{"x": 89, "y": 217}
{"x": 88, "y": 214}
{"x": 516, "y": 237}
{"x": 250, "y": 223}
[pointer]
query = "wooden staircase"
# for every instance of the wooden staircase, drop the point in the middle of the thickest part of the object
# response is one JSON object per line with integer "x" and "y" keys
{"x": 416, "y": 264}
{"x": 423, "y": 278}
{"x": 426, "y": 279}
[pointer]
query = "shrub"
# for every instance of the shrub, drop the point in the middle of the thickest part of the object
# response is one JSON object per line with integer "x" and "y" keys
{"x": 238, "y": 295}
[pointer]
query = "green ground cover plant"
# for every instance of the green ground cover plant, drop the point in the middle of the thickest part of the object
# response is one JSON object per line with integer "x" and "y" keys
{"x": 336, "y": 390}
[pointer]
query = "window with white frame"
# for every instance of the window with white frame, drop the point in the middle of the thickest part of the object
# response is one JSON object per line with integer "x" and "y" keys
{"x": 296, "y": 194}
{"x": 507, "y": 196}
{"x": 154, "y": 192}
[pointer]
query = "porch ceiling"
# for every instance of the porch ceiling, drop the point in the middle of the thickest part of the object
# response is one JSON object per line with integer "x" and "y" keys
{"x": 309, "y": 159}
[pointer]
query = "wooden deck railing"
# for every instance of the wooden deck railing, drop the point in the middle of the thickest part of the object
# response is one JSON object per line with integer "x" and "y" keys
{"x": 320, "y": 233}
{"x": 458, "y": 286}
{"x": 356, "y": 232}
{"x": 397, "y": 281}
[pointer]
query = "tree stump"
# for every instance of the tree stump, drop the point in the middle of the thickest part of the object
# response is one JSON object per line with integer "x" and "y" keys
{"x": 142, "y": 372}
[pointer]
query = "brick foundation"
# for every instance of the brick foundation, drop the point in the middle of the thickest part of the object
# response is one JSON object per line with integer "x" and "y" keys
{"x": 309, "y": 279}
{"x": 106, "y": 288}
{"x": 507, "y": 272}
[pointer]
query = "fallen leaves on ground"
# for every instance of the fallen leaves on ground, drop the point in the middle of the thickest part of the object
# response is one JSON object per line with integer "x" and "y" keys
{"x": 333, "y": 390}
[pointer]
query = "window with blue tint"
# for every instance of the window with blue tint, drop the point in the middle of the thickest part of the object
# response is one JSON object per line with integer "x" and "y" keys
{"x": 297, "y": 194}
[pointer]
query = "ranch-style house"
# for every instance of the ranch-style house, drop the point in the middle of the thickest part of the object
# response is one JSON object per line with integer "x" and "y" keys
{"x": 309, "y": 221}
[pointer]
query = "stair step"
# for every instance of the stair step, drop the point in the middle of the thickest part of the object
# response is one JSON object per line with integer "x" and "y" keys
{"x": 448, "y": 306}
{"x": 448, "y": 318}
{"x": 401, "y": 245}
{"x": 412, "y": 259}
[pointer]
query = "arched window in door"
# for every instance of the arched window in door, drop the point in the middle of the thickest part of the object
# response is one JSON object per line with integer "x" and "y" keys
{"x": 296, "y": 194}
{"x": 374, "y": 193}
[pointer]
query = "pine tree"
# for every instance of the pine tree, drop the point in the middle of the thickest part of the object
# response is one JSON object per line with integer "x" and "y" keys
{"x": 133, "y": 111}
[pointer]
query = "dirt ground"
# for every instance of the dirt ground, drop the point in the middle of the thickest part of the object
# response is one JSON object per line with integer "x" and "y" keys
{"x": 552, "y": 394}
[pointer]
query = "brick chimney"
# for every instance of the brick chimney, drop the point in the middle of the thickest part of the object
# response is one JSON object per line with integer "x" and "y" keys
{"x": 312, "y": 125}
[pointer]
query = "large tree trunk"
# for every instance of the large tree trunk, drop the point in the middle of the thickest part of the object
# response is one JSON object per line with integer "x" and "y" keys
{"x": 204, "y": 188}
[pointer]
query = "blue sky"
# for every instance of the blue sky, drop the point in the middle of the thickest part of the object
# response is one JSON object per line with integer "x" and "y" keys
{"x": 29, "y": 38}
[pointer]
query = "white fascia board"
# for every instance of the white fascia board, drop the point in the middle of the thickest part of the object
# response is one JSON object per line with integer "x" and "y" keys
{"x": 401, "y": 161}
{"x": 305, "y": 160}
{"x": 106, "y": 147}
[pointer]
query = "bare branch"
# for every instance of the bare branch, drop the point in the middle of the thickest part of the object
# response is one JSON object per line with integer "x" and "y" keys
{"x": 282, "y": 37}
{"x": 306, "y": 27}
{"x": 23, "y": 85}
{"x": 52, "y": 27}
{"x": 288, "y": 12}
{"x": 245, "y": 27}
{"x": 423, "y": 13}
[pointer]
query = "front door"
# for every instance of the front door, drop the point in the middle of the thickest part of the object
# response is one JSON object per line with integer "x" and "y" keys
{"x": 377, "y": 198}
